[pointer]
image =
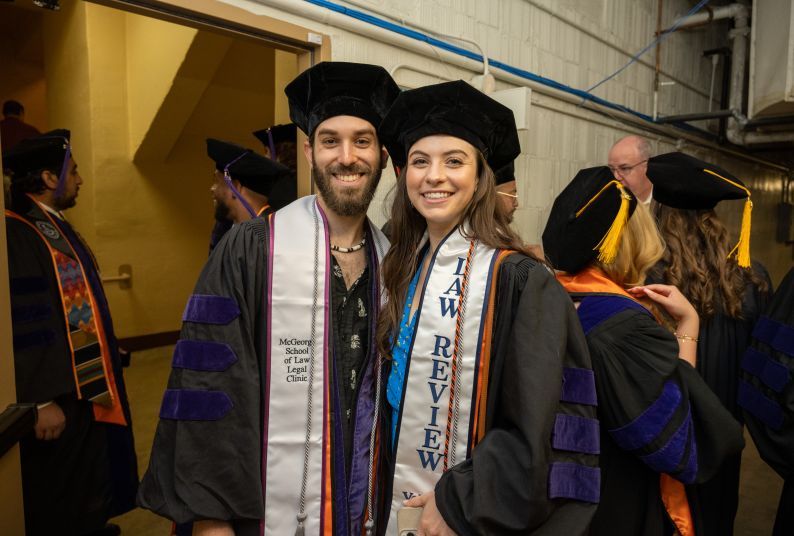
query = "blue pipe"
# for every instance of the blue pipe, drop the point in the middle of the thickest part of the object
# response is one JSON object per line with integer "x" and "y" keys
{"x": 413, "y": 34}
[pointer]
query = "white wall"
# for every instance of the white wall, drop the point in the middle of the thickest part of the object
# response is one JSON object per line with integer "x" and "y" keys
{"x": 577, "y": 43}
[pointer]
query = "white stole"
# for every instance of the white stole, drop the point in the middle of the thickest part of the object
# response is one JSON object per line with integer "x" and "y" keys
{"x": 291, "y": 291}
{"x": 426, "y": 392}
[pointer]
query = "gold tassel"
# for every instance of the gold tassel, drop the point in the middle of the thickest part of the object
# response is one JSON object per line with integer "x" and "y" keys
{"x": 742, "y": 248}
{"x": 608, "y": 246}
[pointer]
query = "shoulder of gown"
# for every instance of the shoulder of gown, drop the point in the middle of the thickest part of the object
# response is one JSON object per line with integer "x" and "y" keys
{"x": 653, "y": 404}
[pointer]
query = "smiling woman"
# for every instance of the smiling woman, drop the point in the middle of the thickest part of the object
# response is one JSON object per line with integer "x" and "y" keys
{"x": 480, "y": 337}
{"x": 441, "y": 178}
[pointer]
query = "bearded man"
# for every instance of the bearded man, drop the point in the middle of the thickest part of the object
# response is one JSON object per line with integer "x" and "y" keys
{"x": 79, "y": 468}
{"x": 270, "y": 420}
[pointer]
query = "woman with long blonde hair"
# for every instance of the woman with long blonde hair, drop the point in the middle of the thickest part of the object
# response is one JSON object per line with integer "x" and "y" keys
{"x": 661, "y": 427}
{"x": 728, "y": 293}
{"x": 490, "y": 391}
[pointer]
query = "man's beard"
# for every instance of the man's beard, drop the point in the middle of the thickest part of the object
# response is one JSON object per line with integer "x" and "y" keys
{"x": 222, "y": 212}
{"x": 347, "y": 201}
{"x": 65, "y": 201}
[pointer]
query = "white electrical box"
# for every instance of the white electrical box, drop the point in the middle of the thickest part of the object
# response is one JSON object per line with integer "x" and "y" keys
{"x": 772, "y": 58}
{"x": 517, "y": 99}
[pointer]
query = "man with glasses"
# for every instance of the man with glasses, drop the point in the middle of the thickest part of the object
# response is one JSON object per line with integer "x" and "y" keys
{"x": 628, "y": 161}
{"x": 507, "y": 189}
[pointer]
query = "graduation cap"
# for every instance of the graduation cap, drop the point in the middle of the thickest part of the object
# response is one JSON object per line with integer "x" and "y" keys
{"x": 52, "y": 149}
{"x": 456, "y": 109}
{"x": 276, "y": 134}
{"x": 253, "y": 170}
{"x": 685, "y": 182}
{"x": 339, "y": 88}
{"x": 505, "y": 173}
{"x": 587, "y": 220}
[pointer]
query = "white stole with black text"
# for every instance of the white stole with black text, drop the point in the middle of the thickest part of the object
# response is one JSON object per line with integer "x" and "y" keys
{"x": 426, "y": 401}
{"x": 291, "y": 295}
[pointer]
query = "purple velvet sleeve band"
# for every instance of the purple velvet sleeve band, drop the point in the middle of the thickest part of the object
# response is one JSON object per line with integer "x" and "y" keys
{"x": 671, "y": 455}
{"x": 651, "y": 422}
{"x": 574, "y": 481}
{"x": 195, "y": 405}
{"x": 764, "y": 409}
{"x": 773, "y": 374}
{"x": 765, "y": 330}
{"x": 776, "y": 334}
{"x": 784, "y": 340}
{"x": 691, "y": 470}
{"x": 206, "y": 356}
{"x": 578, "y": 386}
{"x": 576, "y": 434}
{"x": 207, "y": 309}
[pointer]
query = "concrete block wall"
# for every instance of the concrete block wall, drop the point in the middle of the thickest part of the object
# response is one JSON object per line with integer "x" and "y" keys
{"x": 577, "y": 43}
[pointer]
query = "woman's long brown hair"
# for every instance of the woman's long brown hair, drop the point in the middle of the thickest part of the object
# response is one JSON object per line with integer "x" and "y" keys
{"x": 696, "y": 261}
{"x": 487, "y": 222}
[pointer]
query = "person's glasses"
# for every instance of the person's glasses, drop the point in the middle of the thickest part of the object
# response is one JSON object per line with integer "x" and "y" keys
{"x": 622, "y": 171}
{"x": 513, "y": 196}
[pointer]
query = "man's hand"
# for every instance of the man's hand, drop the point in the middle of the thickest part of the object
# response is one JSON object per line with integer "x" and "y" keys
{"x": 432, "y": 523}
{"x": 212, "y": 528}
{"x": 50, "y": 423}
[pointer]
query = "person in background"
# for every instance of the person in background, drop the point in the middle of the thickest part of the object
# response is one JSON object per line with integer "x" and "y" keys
{"x": 243, "y": 183}
{"x": 280, "y": 144}
{"x": 767, "y": 397}
{"x": 79, "y": 469}
{"x": 628, "y": 162}
{"x": 483, "y": 341}
{"x": 13, "y": 128}
{"x": 506, "y": 190}
{"x": 661, "y": 426}
{"x": 727, "y": 291}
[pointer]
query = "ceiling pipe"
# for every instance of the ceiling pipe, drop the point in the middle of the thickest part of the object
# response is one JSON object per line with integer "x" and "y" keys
{"x": 338, "y": 20}
{"x": 739, "y": 38}
{"x": 710, "y": 14}
{"x": 768, "y": 121}
{"x": 487, "y": 80}
{"x": 695, "y": 117}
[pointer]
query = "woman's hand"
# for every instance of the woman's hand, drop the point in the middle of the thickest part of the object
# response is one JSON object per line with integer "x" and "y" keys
{"x": 432, "y": 523}
{"x": 670, "y": 298}
{"x": 684, "y": 314}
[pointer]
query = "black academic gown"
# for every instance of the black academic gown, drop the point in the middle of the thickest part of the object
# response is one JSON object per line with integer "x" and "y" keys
{"x": 202, "y": 469}
{"x": 722, "y": 341}
{"x": 503, "y": 488}
{"x": 767, "y": 395}
{"x": 636, "y": 362}
{"x": 75, "y": 483}
{"x": 221, "y": 227}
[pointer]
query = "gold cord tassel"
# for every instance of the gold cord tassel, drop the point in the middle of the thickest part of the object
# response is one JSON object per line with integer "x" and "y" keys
{"x": 608, "y": 246}
{"x": 742, "y": 248}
